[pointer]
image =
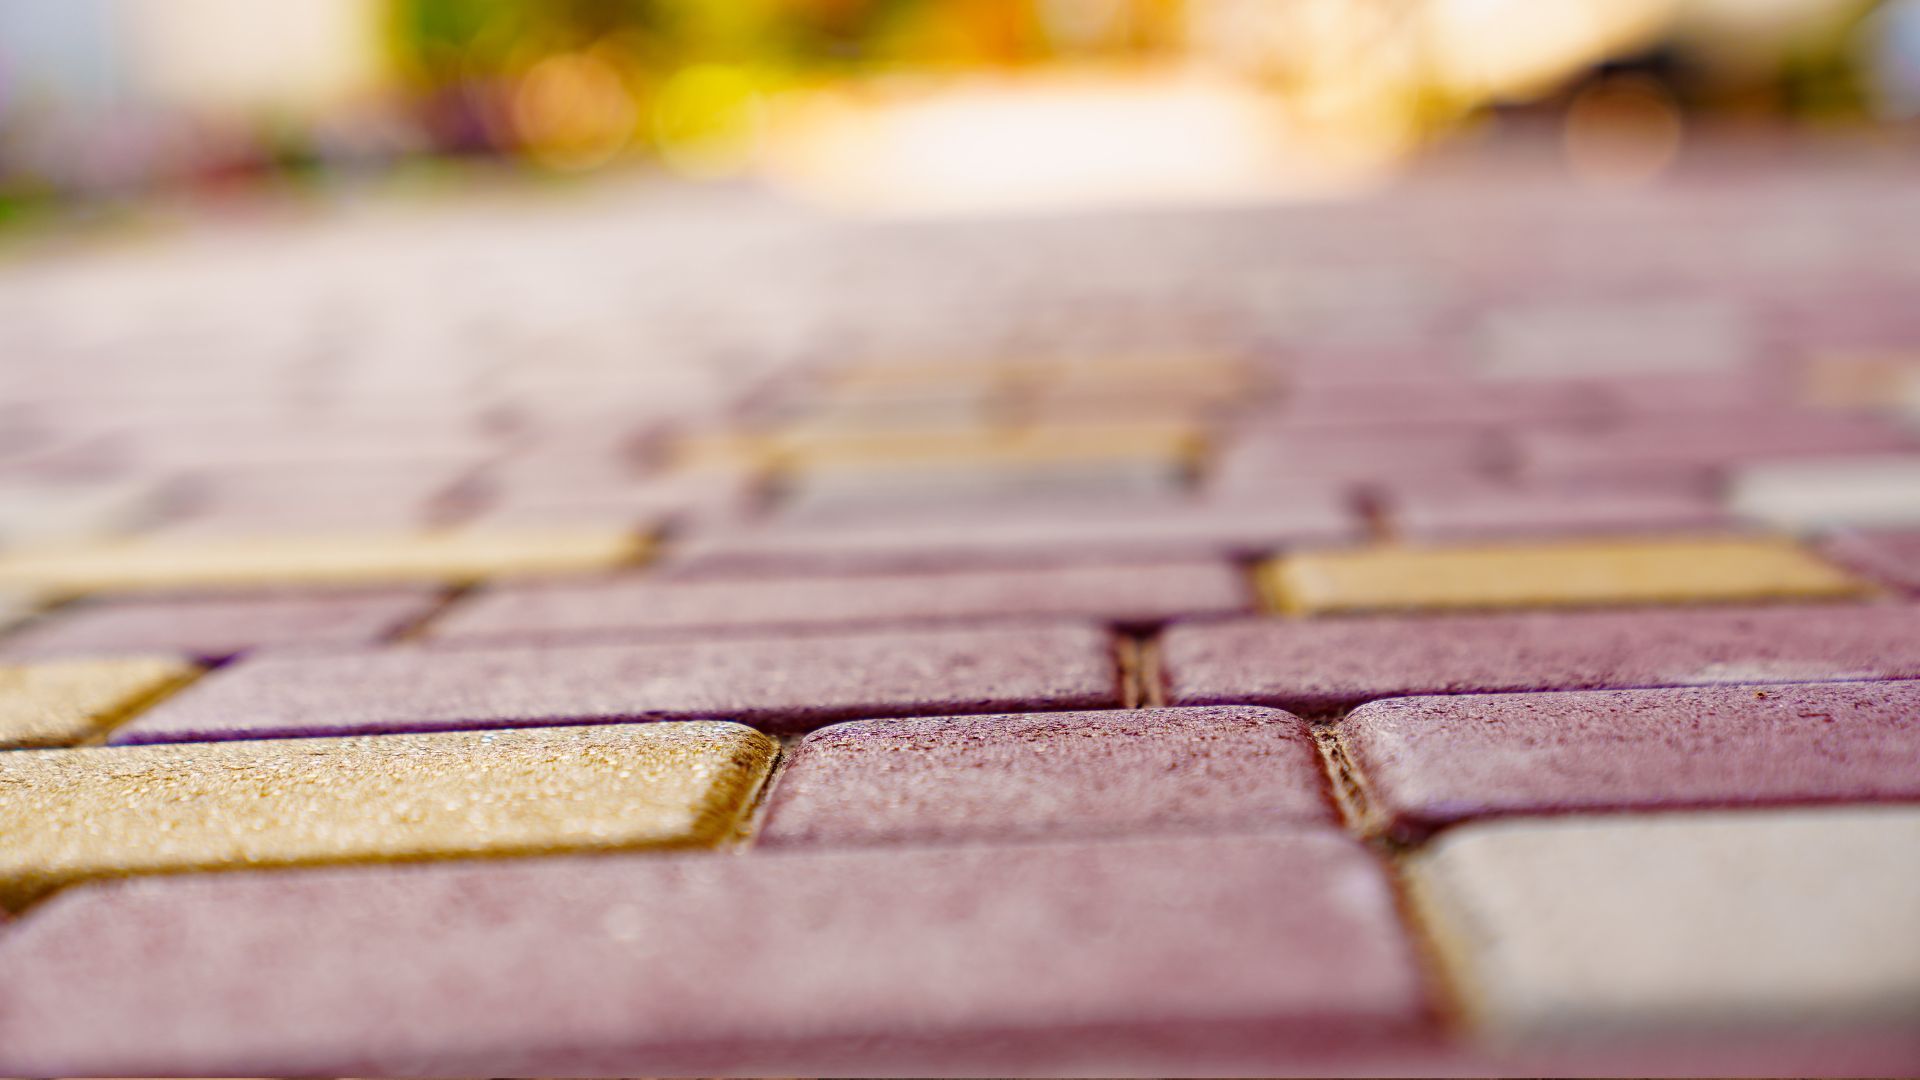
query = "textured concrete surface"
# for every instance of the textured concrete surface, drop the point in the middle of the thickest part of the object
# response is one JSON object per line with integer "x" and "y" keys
{"x": 1554, "y": 573}
{"x": 1429, "y": 762}
{"x": 1241, "y": 952}
{"x": 1615, "y": 928}
{"x": 57, "y": 702}
{"x": 1313, "y": 666}
{"x": 1135, "y": 594}
{"x": 789, "y": 683}
{"x": 71, "y": 815}
{"x": 1047, "y": 774}
{"x": 218, "y": 627}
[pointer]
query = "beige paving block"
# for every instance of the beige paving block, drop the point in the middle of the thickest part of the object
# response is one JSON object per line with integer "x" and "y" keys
{"x": 957, "y": 447}
{"x": 99, "y": 812}
{"x": 62, "y": 702}
{"x": 1558, "y": 573}
{"x": 1682, "y": 923}
{"x": 453, "y": 556}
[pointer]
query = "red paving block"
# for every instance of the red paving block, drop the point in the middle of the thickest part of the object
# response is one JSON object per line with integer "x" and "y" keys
{"x": 1243, "y": 953}
{"x": 218, "y": 627}
{"x": 1429, "y": 762}
{"x": 1700, "y": 445}
{"x": 1129, "y": 595}
{"x": 789, "y": 683}
{"x": 1145, "y": 531}
{"x": 1422, "y": 514}
{"x": 1047, "y": 774}
{"x": 1321, "y": 665}
{"x": 1892, "y": 556}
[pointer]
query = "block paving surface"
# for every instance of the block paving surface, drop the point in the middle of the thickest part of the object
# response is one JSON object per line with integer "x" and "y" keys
{"x": 1334, "y": 639}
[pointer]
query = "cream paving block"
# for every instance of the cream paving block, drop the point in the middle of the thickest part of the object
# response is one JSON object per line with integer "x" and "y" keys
{"x": 1558, "y": 573}
{"x": 451, "y": 556}
{"x": 64, "y": 701}
{"x": 1685, "y": 923}
{"x": 105, "y": 812}
{"x": 1880, "y": 490}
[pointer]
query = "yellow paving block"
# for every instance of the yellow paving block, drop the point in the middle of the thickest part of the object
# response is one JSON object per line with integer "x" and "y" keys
{"x": 61, "y": 702}
{"x": 1560, "y": 573}
{"x": 1175, "y": 443}
{"x": 100, "y": 812}
{"x": 452, "y": 556}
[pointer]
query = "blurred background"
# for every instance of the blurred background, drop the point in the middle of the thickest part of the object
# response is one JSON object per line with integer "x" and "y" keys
{"x": 916, "y": 105}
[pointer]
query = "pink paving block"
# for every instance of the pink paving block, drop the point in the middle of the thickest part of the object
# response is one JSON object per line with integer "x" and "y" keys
{"x": 1150, "y": 593}
{"x": 1701, "y": 444}
{"x": 1047, "y": 774}
{"x": 1321, "y": 665}
{"x": 1891, "y": 555}
{"x": 1426, "y": 403}
{"x": 789, "y": 683}
{"x": 214, "y": 628}
{"x": 1431, "y": 761}
{"x": 1419, "y": 512}
{"x": 1281, "y": 460}
{"x": 1255, "y": 953}
{"x": 1147, "y": 531}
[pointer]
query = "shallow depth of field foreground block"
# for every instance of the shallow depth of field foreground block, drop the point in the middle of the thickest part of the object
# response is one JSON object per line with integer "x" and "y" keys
{"x": 71, "y": 815}
{"x": 1614, "y": 927}
{"x": 1047, "y": 774}
{"x": 1554, "y": 573}
{"x": 787, "y": 682}
{"x": 1244, "y": 953}
{"x": 441, "y": 556}
{"x": 1428, "y": 762}
{"x": 59, "y": 702}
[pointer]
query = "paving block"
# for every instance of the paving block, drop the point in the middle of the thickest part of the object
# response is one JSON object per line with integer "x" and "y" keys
{"x": 452, "y": 556}
{"x": 982, "y": 447}
{"x": 1558, "y": 339}
{"x": 1149, "y": 593}
{"x": 54, "y": 703}
{"x": 1424, "y": 763}
{"x": 217, "y": 627}
{"x": 102, "y": 812}
{"x": 1866, "y": 492}
{"x": 1889, "y": 555}
{"x": 1047, "y": 774}
{"x": 1701, "y": 446}
{"x": 1085, "y": 460}
{"x": 1245, "y": 953}
{"x": 1609, "y": 930}
{"x": 1417, "y": 512}
{"x": 1316, "y": 666}
{"x": 785, "y": 683}
{"x": 1553, "y": 573}
{"x": 1031, "y": 536}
